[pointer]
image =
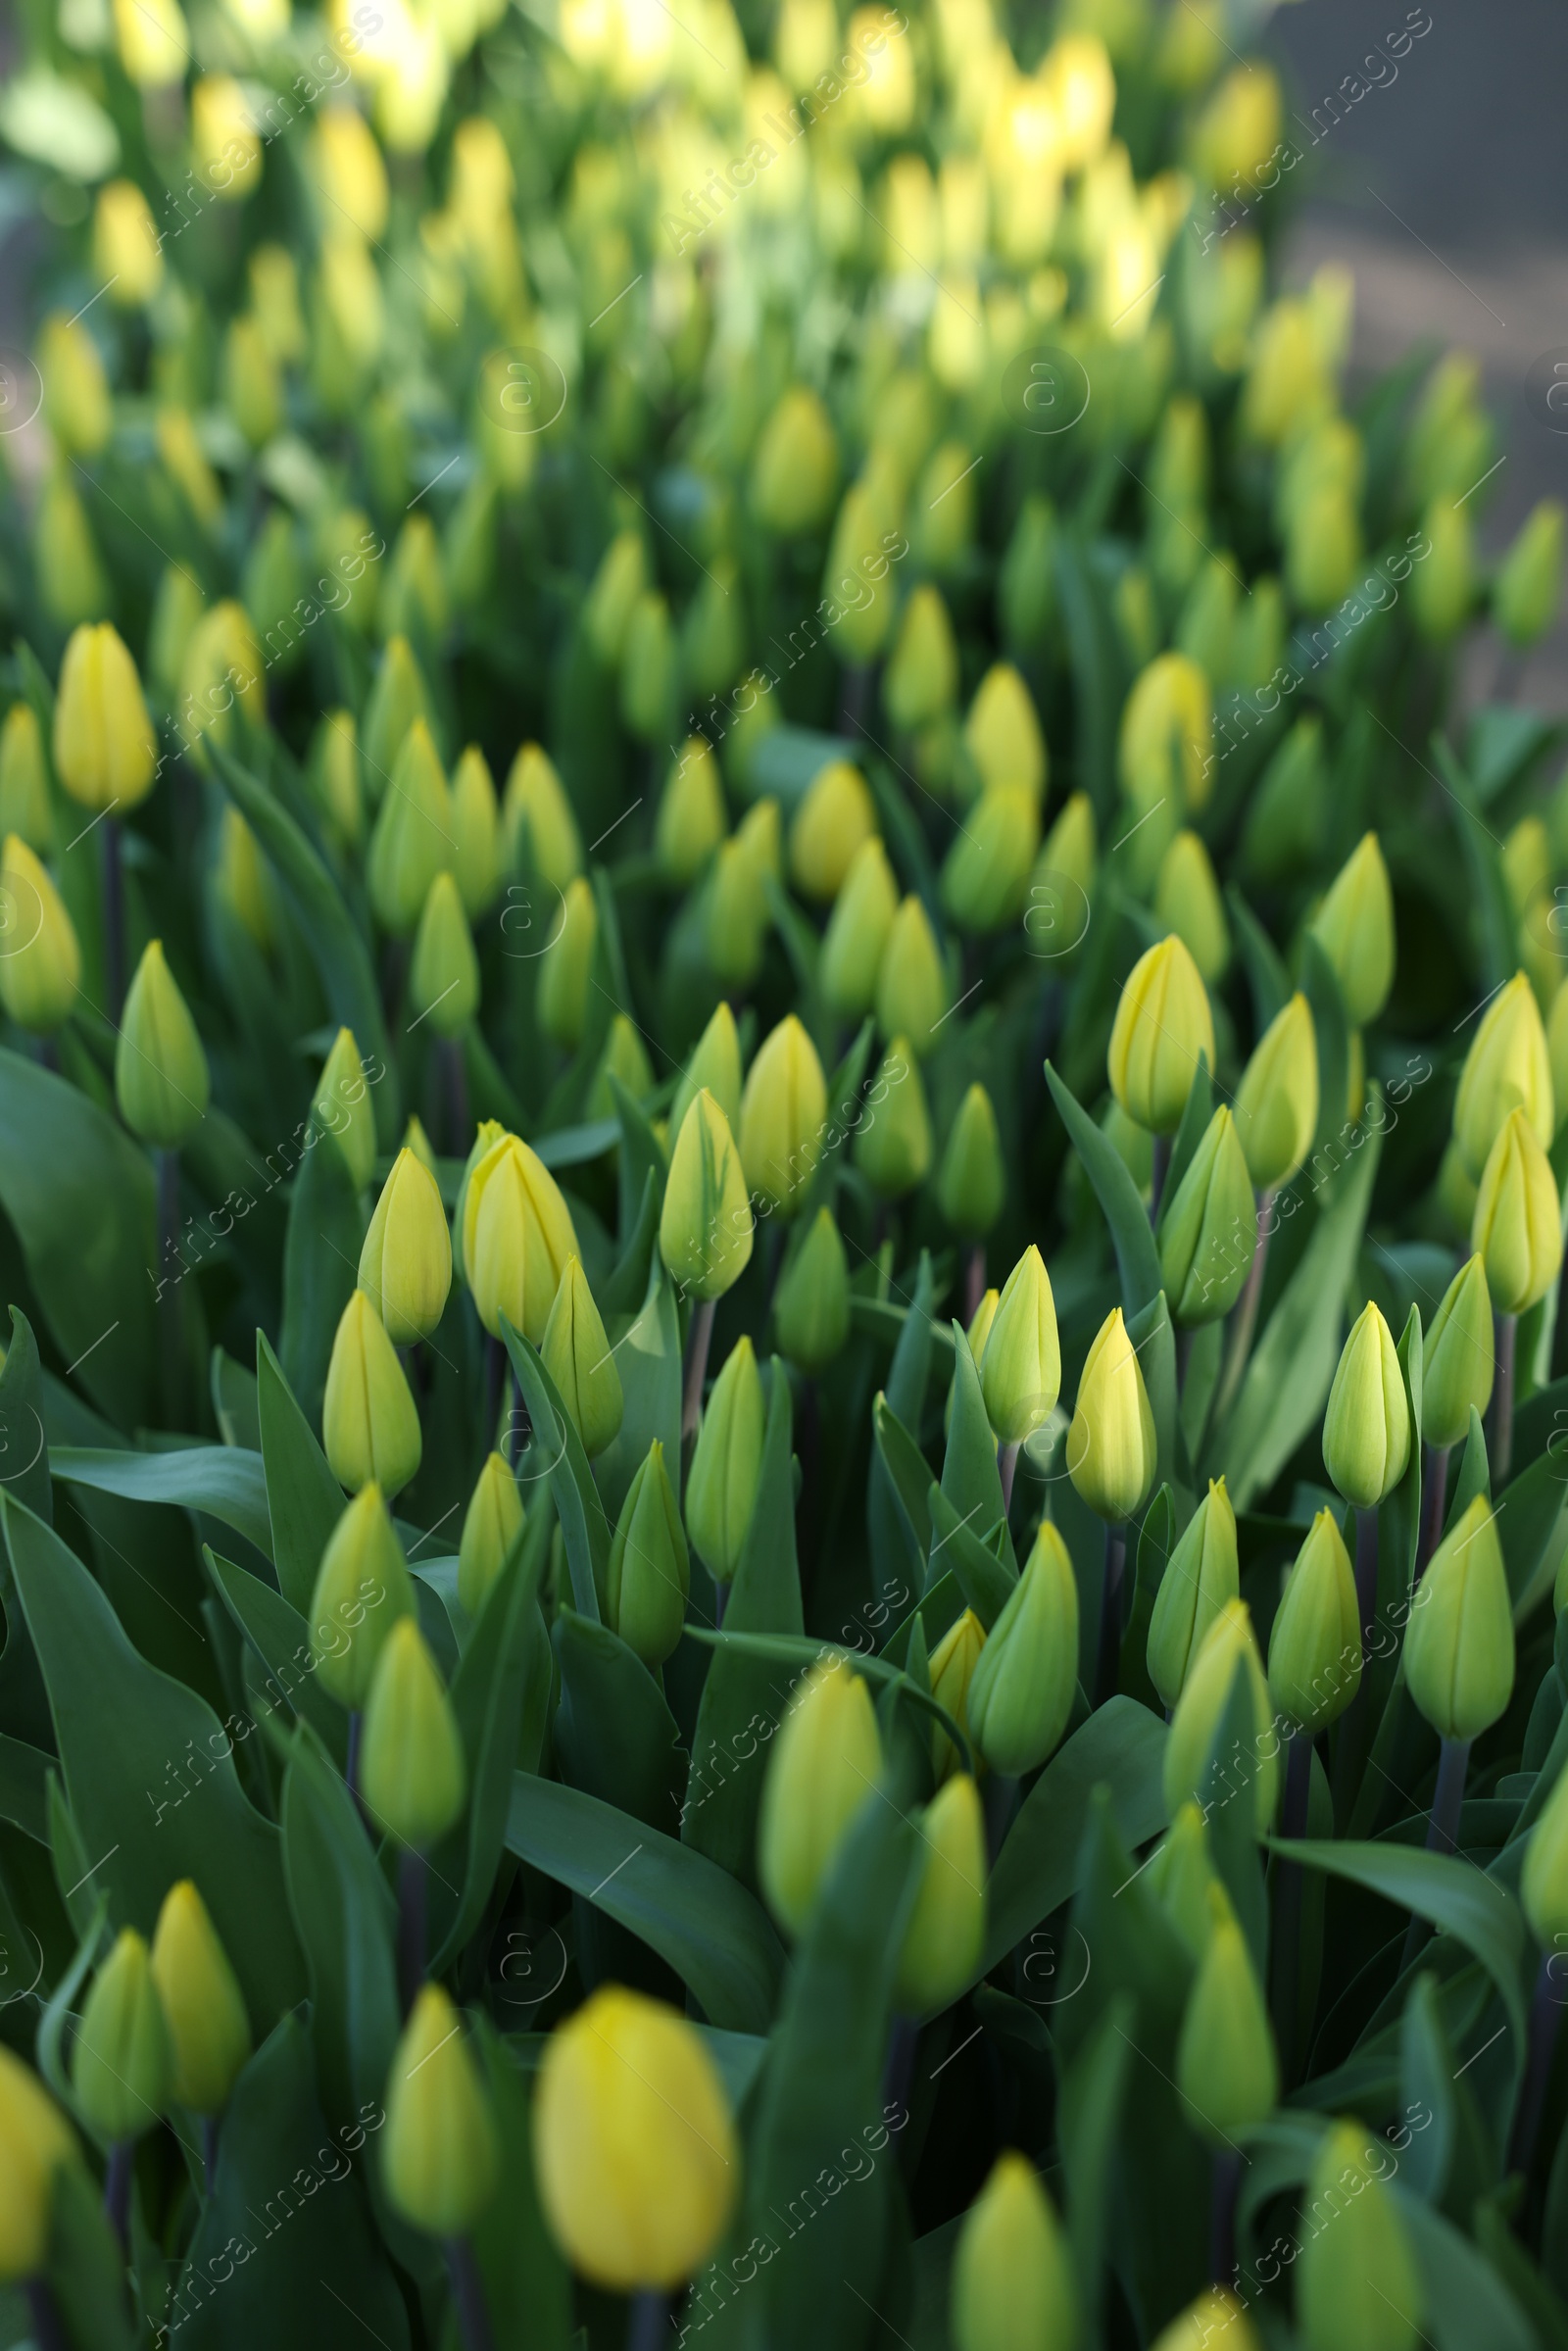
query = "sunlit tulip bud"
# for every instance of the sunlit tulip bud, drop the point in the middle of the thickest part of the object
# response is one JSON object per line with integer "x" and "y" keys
{"x": 444, "y": 971}
{"x": 783, "y": 1108}
{"x": 411, "y": 840}
{"x": 612, "y": 594}
{"x": 857, "y": 932}
{"x": 893, "y": 1145}
{"x": 406, "y": 1261}
{"x": 1069, "y": 851}
{"x": 1020, "y": 1376}
{"x": 726, "y": 1466}
{"x": 985, "y": 879}
{"x": 40, "y": 962}
{"x": 1187, "y": 900}
{"x": 72, "y": 584}
{"x": 441, "y": 2156}
{"x": 344, "y": 164}
{"x": 1366, "y": 1424}
{"x": 104, "y": 749}
{"x": 1021, "y": 1692}
{"x": 857, "y": 550}
{"x": 1528, "y": 587}
{"x": 341, "y": 1105}
{"x": 911, "y": 983}
{"x": 1226, "y": 2069}
{"x": 565, "y": 976}
{"x": 624, "y": 1057}
{"x": 1459, "y": 1645}
{"x": 415, "y": 597}
{"x": 35, "y": 2140}
{"x": 413, "y": 1776}
{"x": 1314, "y": 1650}
{"x": 972, "y": 1184}
{"x": 221, "y": 682}
{"x": 1208, "y": 1233}
{"x": 225, "y": 150}
{"x": 650, "y": 1568}
{"x": 649, "y": 668}
{"x": 1357, "y": 2288}
{"x": 578, "y": 1357}
{"x": 1200, "y": 1577}
{"x": 1457, "y": 1362}
{"x": 716, "y": 1064}
{"x": 692, "y": 819}
{"x": 1163, "y": 1024}
{"x": 706, "y": 1227}
{"x": 812, "y": 1310}
{"x": 537, "y": 820}
{"x": 1027, "y": 592}
{"x": 475, "y": 832}
{"x": 516, "y": 1234}
{"x": 126, "y": 249}
{"x": 398, "y": 696}
{"x": 203, "y": 2005}
{"x": 491, "y": 1524}
{"x": 1443, "y": 587}
{"x": 921, "y": 678}
{"x": 161, "y": 1075}
{"x": 1517, "y": 1226}
{"x": 123, "y": 2064}
{"x": 1508, "y": 1067}
{"x": 242, "y": 880}
{"x": 824, "y": 1769}
{"x": 834, "y": 819}
{"x": 633, "y": 2147}
{"x": 1180, "y": 1876}
{"x": 487, "y": 1135}
{"x": 1216, "y": 2316}
{"x": 24, "y": 783}
{"x": 1277, "y": 1100}
{"x": 369, "y": 1427}
{"x": 77, "y": 403}
{"x": 795, "y": 471}
{"x": 1013, "y": 2287}
{"x": 152, "y": 41}
{"x": 1228, "y": 1646}
{"x": 953, "y": 1668}
{"x": 1543, "y": 1880}
{"x": 1001, "y": 733}
{"x": 1165, "y": 746}
{"x": 737, "y": 916}
{"x": 943, "y": 1941}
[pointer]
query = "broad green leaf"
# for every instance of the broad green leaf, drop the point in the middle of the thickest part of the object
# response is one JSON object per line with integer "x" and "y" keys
{"x": 1530, "y": 1526}
{"x": 320, "y": 1266}
{"x": 1266, "y": 974}
{"x": 640, "y": 1157}
{"x": 787, "y": 1649}
{"x": 1187, "y": 1138}
{"x": 886, "y": 1322}
{"x": 1332, "y": 1030}
{"x": 346, "y": 1921}
{"x": 304, "y": 1500}
{"x": 219, "y": 1479}
{"x": 281, "y": 1640}
{"x": 527, "y": 2285}
{"x": 987, "y": 1583}
{"x": 23, "y": 1444}
{"x": 1137, "y": 1259}
{"x": 615, "y": 1734}
{"x": 628, "y": 1286}
{"x": 1121, "y": 1747}
{"x": 1093, "y": 2091}
{"x": 235, "y": 1407}
{"x": 584, "y": 1528}
{"x": 648, "y": 1357}
{"x": 24, "y": 1787}
{"x": 905, "y": 1476}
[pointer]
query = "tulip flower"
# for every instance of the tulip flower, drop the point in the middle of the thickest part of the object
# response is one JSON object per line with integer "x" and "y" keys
{"x": 834, "y": 821}
{"x": 912, "y": 986}
{"x": 1226, "y": 2068}
{"x": 209, "y": 2031}
{"x": 491, "y": 1524}
{"x": 1357, "y": 2288}
{"x": 1508, "y": 1067}
{"x": 893, "y": 1140}
{"x": 1020, "y": 1372}
{"x": 1202, "y": 1577}
{"x": 858, "y": 933}
{"x": 104, "y": 745}
{"x": 362, "y": 1587}
{"x": 1277, "y": 1101}
{"x": 795, "y": 470}
{"x": 1314, "y": 1649}
{"x": 1188, "y": 902}
{"x": 40, "y": 962}
{"x": 161, "y": 1076}
{"x": 692, "y": 819}
{"x": 1012, "y": 2270}
{"x": 516, "y": 1234}
{"x": 578, "y": 1357}
{"x": 715, "y": 1063}
{"x": 441, "y": 2156}
{"x": 1354, "y": 927}
{"x": 1001, "y": 733}
{"x": 972, "y": 1182}
{"x": 782, "y": 1113}
{"x": 406, "y": 1260}
{"x": 706, "y": 1227}
{"x": 1021, "y": 1692}
{"x": 945, "y": 1935}
{"x": 342, "y": 1106}
{"x": 812, "y": 1308}
{"x": 1229, "y": 1648}
{"x": 413, "y": 1772}
{"x": 1162, "y": 1024}
{"x": 369, "y": 1427}
{"x": 35, "y": 2140}
{"x": 1208, "y": 1231}
{"x": 649, "y": 1576}
{"x": 824, "y": 1769}
{"x": 728, "y": 1464}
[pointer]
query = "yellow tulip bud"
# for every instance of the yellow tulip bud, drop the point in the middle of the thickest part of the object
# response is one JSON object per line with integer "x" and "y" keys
{"x": 369, "y": 1426}
{"x": 1180, "y": 1876}
{"x": 1277, "y": 1100}
{"x": 912, "y": 985}
{"x": 75, "y": 391}
{"x": 413, "y": 596}
{"x": 406, "y": 1261}
{"x": 341, "y": 1104}
{"x": 824, "y": 1769}
{"x": 648, "y": 1577}
{"x": 440, "y": 2157}
{"x": 123, "y": 2064}
{"x": 411, "y": 840}
{"x": 491, "y": 1524}
{"x": 344, "y": 164}
{"x": 612, "y": 594}
{"x": 986, "y": 876}
{"x": 857, "y": 932}
{"x": 760, "y": 839}
{"x": 1226, "y": 2068}
{"x": 104, "y": 749}
{"x": 1208, "y": 1231}
{"x": 186, "y": 463}
{"x": 728, "y": 1464}
{"x": 945, "y": 1936}
{"x": 413, "y": 1773}
{"x": 1366, "y": 1425}
{"x": 538, "y": 822}
{"x": 812, "y": 1308}
{"x": 578, "y": 1357}
{"x": 125, "y": 251}
{"x": 692, "y": 821}
{"x": 1443, "y": 587}
{"x": 516, "y": 1234}
{"x": 224, "y": 147}
{"x": 893, "y": 1142}
{"x": 795, "y": 471}
{"x": 1354, "y": 927}
{"x": 972, "y": 1184}
{"x": 443, "y": 972}
{"x": 1228, "y": 1645}
{"x": 1187, "y": 900}
{"x": 40, "y": 962}
{"x": 1001, "y": 733}
{"x": 1163, "y": 1023}
{"x": 361, "y": 1588}
{"x": 1020, "y": 1376}
{"x": 624, "y": 1057}
{"x": 398, "y": 696}
{"x": 1314, "y": 1650}
{"x": 715, "y": 1063}
{"x": 836, "y": 817}
{"x": 1166, "y": 748}
{"x": 1508, "y": 1068}
{"x": 922, "y": 679}
{"x": 565, "y": 976}
{"x": 705, "y": 1229}
{"x": 1517, "y": 1226}
{"x": 782, "y": 1113}
{"x": 72, "y": 581}
{"x": 1202, "y": 1576}
{"x": 35, "y": 2140}
{"x": 1528, "y": 588}
{"x": 736, "y": 917}
{"x": 1459, "y": 1645}
{"x": 1357, "y": 2288}
{"x": 1215, "y": 2317}
{"x": 475, "y": 832}
{"x": 202, "y": 2002}
{"x": 243, "y": 882}
{"x": 857, "y": 545}
{"x": 275, "y": 301}
{"x": 1069, "y": 849}
{"x": 954, "y": 1661}
{"x": 1013, "y": 2287}
{"x": 24, "y": 784}
{"x": 1543, "y": 1880}
{"x": 649, "y": 668}
{"x": 1458, "y": 1364}
{"x": 1021, "y": 1692}
{"x": 161, "y": 1076}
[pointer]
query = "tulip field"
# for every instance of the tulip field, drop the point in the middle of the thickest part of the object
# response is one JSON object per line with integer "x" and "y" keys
{"x": 783, "y": 1160}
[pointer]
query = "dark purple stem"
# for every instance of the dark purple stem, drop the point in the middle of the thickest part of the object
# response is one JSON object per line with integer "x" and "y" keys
{"x": 1545, "y": 2022}
{"x": 1109, "y": 1664}
{"x": 1434, "y": 1503}
{"x": 475, "y": 2329}
{"x": 1225, "y": 2178}
{"x": 210, "y": 2151}
{"x": 1442, "y": 1827}
{"x": 648, "y": 2322}
{"x": 116, "y": 2191}
{"x": 974, "y": 1281}
{"x": 1499, "y": 1438}
{"x": 48, "y": 2332}
{"x": 413, "y": 1877}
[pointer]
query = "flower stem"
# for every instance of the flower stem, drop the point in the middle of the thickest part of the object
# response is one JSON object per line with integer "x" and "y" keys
{"x": 116, "y": 2191}
{"x": 648, "y": 2322}
{"x": 1287, "y": 1898}
{"x": 169, "y": 1313}
{"x": 974, "y": 1281}
{"x": 48, "y": 2333}
{"x": 1007, "y": 1467}
{"x": 1500, "y": 1437}
{"x": 454, "y": 1093}
{"x": 210, "y": 2151}
{"x": 1225, "y": 2178}
{"x": 1160, "y": 1170}
{"x": 1434, "y": 1503}
{"x": 698, "y": 1341}
{"x": 413, "y": 1877}
{"x": 1366, "y": 1571}
{"x": 113, "y": 877}
{"x": 1442, "y": 1828}
{"x": 1545, "y": 2022}
{"x": 1108, "y": 1663}
{"x": 475, "y": 2330}
{"x": 1245, "y": 1319}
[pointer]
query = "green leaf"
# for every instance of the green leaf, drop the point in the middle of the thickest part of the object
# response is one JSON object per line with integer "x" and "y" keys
{"x": 887, "y": 1323}
{"x": 1093, "y": 2091}
{"x": 321, "y": 1267}
{"x": 1156, "y": 1540}
{"x": 1121, "y": 1748}
{"x": 1266, "y": 974}
{"x": 648, "y": 1357}
{"x": 584, "y": 1528}
{"x": 1333, "y": 1033}
{"x": 693, "y": 1914}
{"x": 1137, "y": 1259}
{"x": 23, "y": 1444}
{"x": 345, "y": 1920}
{"x": 897, "y": 1561}
{"x": 85, "y": 2268}
{"x": 1466, "y": 2301}
{"x": 219, "y": 1479}
{"x": 234, "y": 1406}
{"x": 615, "y": 1732}
{"x": 280, "y": 1638}
{"x": 790, "y": 1650}
{"x": 24, "y": 1787}
{"x": 304, "y": 1500}
{"x": 906, "y": 1481}
{"x": 1488, "y": 888}
{"x": 641, "y": 1153}
{"x": 970, "y": 1479}
{"x": 1188, "y": 1135}
{"x": 986, "y": 1581}
{"x": 1530, "y": 1517}
{"x": 628, "y": 1286}
{"x": 527, "y": 2285}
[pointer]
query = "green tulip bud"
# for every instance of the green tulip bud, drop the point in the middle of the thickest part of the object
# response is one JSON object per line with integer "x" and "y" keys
{"x": 1112, "y": 1450}
{"x": 1020, "y": 1376}
{"x": 783, "y": 1111}
{"x": 1021, "y": 1692}
{"x": 1202, "y": 1577}
{"x": 954, "y": 1662}
{"x": 468, "y": 554}
{"x": 242, "y": 880}
{"x": 1357, "y": 2288}
{"x": 1443, "y": 587}
{"x": 1208, "y": 621}
{"x": 1314, "y": 1650}
{"x": 714, "y": 632}
{"x": 621, "y": 579}
{"x": 649, "y": 668}
{"x": 399, "y": 698}
{"x": 443, "y": 972}
{"x": 942, "y": 518}
{"x": 857, "y": 934}
{"x": 209, "y": 2031}
{"x": 475, "y": 832}
{"x": 728, "y": 1464}
{"x": 972, "y": 1184}
{"x": 1508, "y": 1068}
{"x": 893, "y": 1144}
{"x": 945, "y": 1936}
{"x": 1180, "y": 1876}
{"x": 415, "y": 1140}
{"x": 578, "y": 1357}
{"x": 77, "y": 407}
{"x": 1069, "y": 849}
{"x": 824, "y": 1769}
{"x": 1285, "y": 821}
{"x": 1208, "y": 1233}
{"x": 692, "y": 819}
{"x": 1459, "y": 1647}
{"x": 706, "y": 1226}
{"x": 1228, "y": 1646}
{"x": 369, "y": 1426}
{"x": 920, "y": 682}
{"x": 1216, "y": 2315}
{"x": 1277, "y": 1100}
{"x": 221, "y": 683}
{"x": 516, "y": 1234}
{"x": 716, "y": 1064}
{"x": 737, "y": 917}
{"x": 410, "y": 840}
{"x": 1025, "y": 588}
{"x": 35, "y": 2140}
{"x": 161, "y": 1077}
{"x": 856, "y": 547}
{"x": 1528, "y": 587}
{"x": 979, "y": 1331}
{"x": 334, "y": 770}
{"x": 1226, "y": 2069}
{"x": 406, "y": 1260}
{"x": 1354, "y": 927}
{"x": 911, "y": 984}
{"x": 1166, "y": 748}
{"x": 566, "y": 977}
{"x": 487, "y": 1135}
{"x": 413, "y": 1776}
{"x": 24, "y": 784}
{"x": 986, "y": 876}
{"x": 124, "y": 2065}
{"x": 650, "y": 1567}
{"x": 1002, "y": 734}
{"x": 1543, "y": 1880}
{"x": 1322, "y": 547}
{"x": 760, "y": 839}
{"x": 105, "y": 748}
{"x": 72, "y": 583}
{"x": 537, "y": 820}
{"x": 361, "y": 1588}
{"x": 1457, "y": 1363}
{"x": 795, "y": 471}
{"x": 811, "y": 1310}
{"x": 341, "y": 1105}
{"x": 1187, "y": 900}
{"x": 836, "y": 817}
{"x": 1526, "y": 862}
{"x": 754, "y": 719}
{"x": 40, "y": 962}
{"x": 1163, "y": 1023}
{"x": 491, "y": 1524}
{"x": 413, "y": 598}
{"x": 1013, "y": 2287}
{"x": 1517, "y": 1226}
{"x": 441, "y": 2157}
{"x": 253, "y": 392}
{"x": 1366, "y": 1425}
{"x": 626, "y": 1059}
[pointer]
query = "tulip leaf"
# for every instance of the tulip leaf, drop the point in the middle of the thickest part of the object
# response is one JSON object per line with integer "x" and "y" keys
{"x": 1266, "y": 974}
{"x": 304, "y": 1500}
{"x": 843, "y": 1101}
{"x": 1156, "y": 1540}
{"x": 806, "y": 1651}
{"x": 886, "y": 1322}
{"x": 219, "y": 1479}
{"x": 1093, "y": 2093}
{"x": 616, "y": 1736}
{"x": 1187, "y": 1138}
{"x": 628, "y": 1286}
{"x": 23, "y": 1444}
{"x": 1488, "y": 893}
{"x": 86, "y": 2268}
{"x": 526, "y": 2283}
{"x": 80, "y": 1193}
{"x": 1137, "y": 1259}
{"x": 648, "y": 1357}
{"x": 987, "y": 1582}
{"x": 127, "y": 1735}
{"x": 1530, "y": 1517}
{"x": 640, "y": 1156}
{"x": 24, "y": 1787}
{"x": 320, "y": 1268}
{"x": 1333, "y": 1033}
{"x": 234, "y": 1406}
{"x": 584, "y": 1528}
{"x": 346, "y": 1918}
{"x": 1154, "y": 1343}
{"x": 970, "y": 1479}
{"x": 710, "y": 1931}
{"x": 907, "y": 1479}
{"x": 280, "y": 1638}
{"x": 898, "y": 1550}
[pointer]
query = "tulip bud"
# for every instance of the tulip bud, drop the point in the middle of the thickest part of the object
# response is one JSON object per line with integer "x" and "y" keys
{"x": 1202, "y": 1577}
{"x": 414, "y": 598}
{"x": 728, "y": 1464}
{"x": 1001, "y": 733}
{"x": 836, "y": 817}
{"x": 705, "y": 1229}
{"x": 1165, "y": 746}
{"x": 413, "y": 1776}
{"x": 1356, "y": 2287}
{"x": 1517, "y": 1224}
{"x": 1215, "y": 2316}
{"x": 954, "y": 1661}
{"x": 242, "y": 880}
{"x": 1180, "y": 1876}
{"x": 824, "y": 1769}
{"x": 945, "y": 1936}
{"x": 440, "y": 2156}
{"x": 795, "y": 471}
{"x": 1163, "y": 1022}
{"x": 1285, "y": 821}
{"x": 1459, "y": 1647}
{"x": 760, "y": 839}
{"x": 361, "y": 1588}
{"x": 203, "y": 2005}
{"x": 565, "y": 976}
{"x": 406, "y": 1261}
{"x": 40, "y": 962}
{"x": 72, "y": 581}
{"x": 1366, "y": 1424}
{"x": 783, "y": 1110}
{"x": 912, "y": 985}
{"x": 161, "y": 1077}
{"x": 714, "y": 632}
{"x": 1442, "y": 588}
{"x": 634, "y": 2149}
{"x": 1314, "y": 1650}
{"x": 737, "y": 916}
{"x": 578, "y": 1357}
{"x": 626, "y": 1059}
{"x": 475, "y": 832}
{"x": 811, "y": 1310}
{"x": 1458, "y": 1364}
{"x": 398, "y": 696}
{"x": 1012, "y": 2273}
{"x": 621, "y": 579}
{"x": 491, "y": 1524}
{"x": 538, "y": 822}
{"x": 716, "y": 1064}
{"x": 1187, "y": 900}
{"x": 253, "y": 392}
{"x": 369, "y": 1426}
{"x": 1208, "y": 1231}
{"x": 1322, "y": 547}
{"x": 224, "y": 147}
{"x": 1528, "y": 587}
{"x": 1111, "y": 1444}
{"x": 1354, "y": 927}
{"x": 223, "y": 673}
{"x": 1543, "y": 1880}
{"x": 692, "y": 819}
{"x": 755, "y": 720}
{"x": 77, "y": 407}
{"x": 126, "y": 254}
{"x": 1226, "y": 2069}
{"x": 123, "y": 2064}
{"x": 857, "y": 934}
{"x": 516, "y": 1234}
{"x": 1508, "y": 1068}
{"x": 922, "y": 679}
{"x": 857, "y": 546}
{"x": 24, "y": 784}
{"x": 412, "y": 841}
{"x": 893, "y": 1142}
{"x": 105, "y": 749}
{"x": 341, "y": 1105}
{"x": 650, "y": 1567}
{"x": 650, "y": 671}
{"x": 444, "y": 973}
{"x": 972, "y": 1184}
{"x": 333, "y": 771}
{"x": 1228, "y": 1646}
{"x": 1020, "y": 1375}
{"x": 986, "y": 875}
{"x": 1277, "y": 1100}
{"x": 35, "y": 2140}
{"x": 1068, "y": 852}
{"x": 1021, "y": 1692}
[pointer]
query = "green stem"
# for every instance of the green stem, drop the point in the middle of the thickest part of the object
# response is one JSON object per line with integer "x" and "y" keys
{"x": 1109, "y": 1664}
{"x": 1442, "y": 1827}
{"x": 1499, "y": 1438}
{"x": 475, "y": 2330}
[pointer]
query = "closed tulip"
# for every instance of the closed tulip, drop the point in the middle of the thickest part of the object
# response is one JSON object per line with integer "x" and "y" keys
{"x": 1021, "y": 1692}
{"x": 728, "y": 1464}
{"x": 35, "y": 2140}
{"x": 1202, "y": 1577}
{"x": 161, "y": 1077}
{"x": 517, "y": 1235}
{"x": 1458, "y": 1364}
{"x": 124, "y": 2061}
{"x": 1277, "y": 1100}
{"x": 954, "y": 1662}
{"x": 893, "y": 1140}
{"x": 1508, "y": 1069}
{"x": 1013, "y": 2287}
{"x": 782, "y": 1112}
{"x": 795, "y": 471}
{"x": 650, "y": 1568}
{"x": 706, "y": 1226}
{"x": 441, "y": 2156}
{"x": 1314, "y": 1649}
{"x": 945, "y": 1935}
{"x": 341, "y": 1105}
{"x": 972, "y": 1183}
{"x": 578, "y": 1357}
{"x": 921, "y": 678}
{"x": 1357, "y": 2288}
{"x": 209, "y": 2029}
{"x": 1111, "y": 1444}
{"x": 1208, "y": 1231}
{"x": 1163, "y": 1023}
{"x": 1188, "y": 902}
{"x": 40, "y": 962}
{"x": 834, "y": 821}
{"x": 824, "y": 1769}
{"x": 362, "y": 1587}
{"x": 1001, "y": 733}
{"x": 812, "y": 1310}
{"x": 1228, "y": 1647}
{"x": 476, "y": 860}
{"x": 537, "y": 820}
{"x": 692, "y": 819}
{"x": 1366, "y": 1425}
{"x": 1517, "y": 1226}
{"x": 414, "y": 1774}
{"x": 1354, "y": 927}
{"x": 491, "y": 1524}
{"x": 369, "y": 1426}
{"x": 1543, "y": 1880}
{"x": 912, "y": 985}
{"x": 406, "y": 1260}
{"x": 105, "y": 749}
{"x": 1460, "y": 1646}
{"x": 1226, "y": 2069}
{"x": 1020, "y": 1374}
{"x": 857, "y": 932}
{"x": 411, "y": 840}
{"x": 715, "y": 1063}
